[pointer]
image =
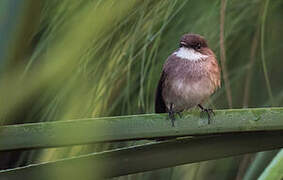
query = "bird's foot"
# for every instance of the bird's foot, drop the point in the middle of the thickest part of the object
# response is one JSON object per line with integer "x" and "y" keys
{"x": 209, "y": 112}
{"x": 180, "y": 114}
{"x": 172, "y": 115}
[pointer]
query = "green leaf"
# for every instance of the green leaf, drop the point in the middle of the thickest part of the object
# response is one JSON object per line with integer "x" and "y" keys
{"x": 149, "y": 157}
{"x": 149, "y": 126}
{"x": 231, "y": 132}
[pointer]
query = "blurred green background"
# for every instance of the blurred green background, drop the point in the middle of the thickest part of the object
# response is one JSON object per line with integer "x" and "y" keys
{"x": 70, "y": 59}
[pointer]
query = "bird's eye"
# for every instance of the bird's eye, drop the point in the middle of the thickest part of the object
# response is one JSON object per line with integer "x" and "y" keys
{"x": 198, "y": 46}
{"x": 182, "y": 44}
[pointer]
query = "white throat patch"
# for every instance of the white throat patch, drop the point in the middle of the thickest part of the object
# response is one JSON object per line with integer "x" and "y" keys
{"x": 189, "y": 54}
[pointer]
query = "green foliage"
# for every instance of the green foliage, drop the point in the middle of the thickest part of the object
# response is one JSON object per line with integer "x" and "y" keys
{"x": 74, "y": 59}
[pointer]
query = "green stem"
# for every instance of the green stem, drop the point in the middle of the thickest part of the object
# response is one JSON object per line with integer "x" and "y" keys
{"x": 263, "y": 54}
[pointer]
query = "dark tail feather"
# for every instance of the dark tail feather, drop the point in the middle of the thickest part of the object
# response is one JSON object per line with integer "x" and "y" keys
{"x": 160, "y": 106}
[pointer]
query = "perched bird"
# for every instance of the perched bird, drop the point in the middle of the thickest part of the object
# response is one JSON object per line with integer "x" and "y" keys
{"x": 189, "y": 76}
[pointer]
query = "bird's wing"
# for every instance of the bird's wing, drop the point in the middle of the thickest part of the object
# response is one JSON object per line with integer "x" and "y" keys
{"x": 215, "y": 73}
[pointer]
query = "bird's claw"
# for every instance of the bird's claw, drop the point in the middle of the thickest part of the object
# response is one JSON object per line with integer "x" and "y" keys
{"x": 172, "y": 117}
{"x": 208, "y": 112}
{"x": 180, "y": 114}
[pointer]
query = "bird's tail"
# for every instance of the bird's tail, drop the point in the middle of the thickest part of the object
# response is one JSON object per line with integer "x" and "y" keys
{"x": 160, "y": 106}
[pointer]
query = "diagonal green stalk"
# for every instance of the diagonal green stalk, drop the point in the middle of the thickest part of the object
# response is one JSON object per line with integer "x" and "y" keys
{"x": 258, "y": 165}
{"x": 274, "y": 169}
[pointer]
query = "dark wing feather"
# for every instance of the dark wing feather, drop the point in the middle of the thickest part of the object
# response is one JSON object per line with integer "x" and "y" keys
{"x": 160, "y": 106}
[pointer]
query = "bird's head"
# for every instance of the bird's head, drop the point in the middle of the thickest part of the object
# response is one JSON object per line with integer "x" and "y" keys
{"x": 193, "y": 41}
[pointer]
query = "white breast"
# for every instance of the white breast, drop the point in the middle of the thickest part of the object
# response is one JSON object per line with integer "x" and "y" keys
{"x": 189, "y": 54}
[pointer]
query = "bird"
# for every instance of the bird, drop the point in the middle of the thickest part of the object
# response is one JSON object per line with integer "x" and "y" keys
{"x": 190, "y": 75}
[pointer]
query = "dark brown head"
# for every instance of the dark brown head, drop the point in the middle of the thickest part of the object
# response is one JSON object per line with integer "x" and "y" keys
{"x": 193, "y": 41}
